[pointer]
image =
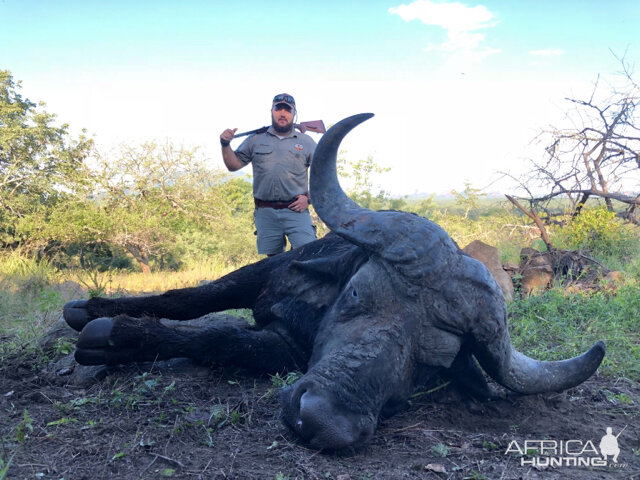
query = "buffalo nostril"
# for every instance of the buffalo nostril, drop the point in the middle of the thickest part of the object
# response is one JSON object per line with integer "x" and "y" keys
{"x": 316, "y": 416}
{"x": 313, "y": 414}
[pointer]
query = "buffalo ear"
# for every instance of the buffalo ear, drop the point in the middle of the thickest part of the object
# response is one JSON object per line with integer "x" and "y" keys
{"x": 315, "y": 282}
{"x": 327, "y": 268}
{"x": 342, "y": 263}
{"x": 437, "y": 347}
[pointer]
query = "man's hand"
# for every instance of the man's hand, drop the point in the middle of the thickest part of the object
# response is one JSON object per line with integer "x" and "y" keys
{"x": 300, "y": 204}
{"x": 227, "y": 136}
{"x": 228, "y": 155}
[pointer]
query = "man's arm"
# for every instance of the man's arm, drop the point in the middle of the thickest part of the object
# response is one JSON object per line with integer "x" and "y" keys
{"x": 228, "y": 155}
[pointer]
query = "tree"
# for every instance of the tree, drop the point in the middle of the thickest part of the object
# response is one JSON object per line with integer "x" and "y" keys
{"x": 469, "y": 198}
{"x": 158, "y": 204}
{"x": 360, "y": 175}
{"x": 39, "y": 162}
{"x": 424, "y": 207}
{"x": 596, "y": 156}
{"x": 152, "y": 194}
{"x": 165, "y": 204}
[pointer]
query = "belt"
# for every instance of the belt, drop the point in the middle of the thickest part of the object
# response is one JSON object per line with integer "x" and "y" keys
{"x": 277, "y": 205}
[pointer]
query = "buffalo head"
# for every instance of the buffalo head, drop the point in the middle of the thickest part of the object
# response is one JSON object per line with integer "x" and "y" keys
{"x": 418, "y": 305}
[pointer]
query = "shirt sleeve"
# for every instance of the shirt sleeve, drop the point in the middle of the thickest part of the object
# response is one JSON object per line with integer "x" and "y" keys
{"x": 244, "y": 151}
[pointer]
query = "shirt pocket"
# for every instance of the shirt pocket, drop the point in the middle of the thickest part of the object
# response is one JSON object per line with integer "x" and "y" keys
{"x": 297, "y": 163}
{"x": 263, "y": 150}
{"x": 262, "y": 159}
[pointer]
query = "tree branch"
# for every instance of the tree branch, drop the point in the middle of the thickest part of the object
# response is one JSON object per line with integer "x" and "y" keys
{"x": 536, "y": 219}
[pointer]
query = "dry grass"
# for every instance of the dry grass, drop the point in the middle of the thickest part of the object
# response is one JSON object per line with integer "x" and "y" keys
{"x": 123, "y": 282}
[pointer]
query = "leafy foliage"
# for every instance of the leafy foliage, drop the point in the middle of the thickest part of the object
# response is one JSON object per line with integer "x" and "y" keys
{"x": 599, "y": 231}
{"x": 468, "y": 198}
{"x": 359, "y": 175}
{"x": 157, "y": 206}
{"x": 39, "y": 162}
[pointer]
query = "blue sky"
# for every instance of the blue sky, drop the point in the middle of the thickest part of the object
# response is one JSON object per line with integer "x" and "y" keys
{"x": 459, "y": 89}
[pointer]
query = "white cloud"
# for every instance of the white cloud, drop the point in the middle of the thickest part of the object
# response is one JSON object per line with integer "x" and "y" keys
{"x": 458, "y": 20}
{"x": 453, "y": 17}
{"x": 547, "y": 52}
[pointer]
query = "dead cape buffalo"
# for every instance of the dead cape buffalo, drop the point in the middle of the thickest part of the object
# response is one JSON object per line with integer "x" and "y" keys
{"x": 369, "y": 313}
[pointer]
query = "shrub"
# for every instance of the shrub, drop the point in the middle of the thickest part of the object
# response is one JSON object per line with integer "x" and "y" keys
{"x": 599, "y": 231}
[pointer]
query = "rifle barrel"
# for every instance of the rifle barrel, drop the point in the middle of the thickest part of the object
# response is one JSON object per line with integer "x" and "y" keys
{"x": 251, "y": 132}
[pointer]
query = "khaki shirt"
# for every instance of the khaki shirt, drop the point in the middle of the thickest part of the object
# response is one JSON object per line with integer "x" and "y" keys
{"x": 279, "y": 166}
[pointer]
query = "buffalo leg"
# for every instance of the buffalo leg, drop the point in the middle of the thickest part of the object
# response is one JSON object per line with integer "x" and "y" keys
{"x": 227, "y": 341}
{"x": 238, "y": 289}
{"x": 466, "y": 373}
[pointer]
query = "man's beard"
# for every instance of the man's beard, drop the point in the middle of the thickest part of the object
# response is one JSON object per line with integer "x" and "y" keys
{"x": 285, "y": 129}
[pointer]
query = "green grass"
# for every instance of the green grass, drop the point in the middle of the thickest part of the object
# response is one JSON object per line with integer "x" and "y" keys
{"x": 28, "y": 308}
{"x": 556, "y": 325}
{"x": 4, "y": 467}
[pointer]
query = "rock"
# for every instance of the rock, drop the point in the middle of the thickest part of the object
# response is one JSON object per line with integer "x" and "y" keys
{"x": 490, "y": 257}
{"x": 57, "y": 333}
{"x": 86, "y": 375}
{"x": 536, "y": 269}
{"x": 67, "y": 371}
{"x": 511, "y": 268}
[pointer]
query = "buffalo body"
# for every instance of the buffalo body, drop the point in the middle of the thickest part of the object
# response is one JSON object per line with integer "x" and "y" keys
{"x": 370, "y": 312}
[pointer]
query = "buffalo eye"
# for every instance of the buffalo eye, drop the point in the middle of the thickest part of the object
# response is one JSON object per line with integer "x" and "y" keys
{"x": 352, "y": 304}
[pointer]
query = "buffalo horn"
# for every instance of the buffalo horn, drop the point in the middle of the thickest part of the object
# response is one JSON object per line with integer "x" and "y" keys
{"x": 405, "y": 240}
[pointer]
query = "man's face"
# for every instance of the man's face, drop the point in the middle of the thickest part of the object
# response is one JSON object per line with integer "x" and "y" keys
{"x": 282, "y": 118}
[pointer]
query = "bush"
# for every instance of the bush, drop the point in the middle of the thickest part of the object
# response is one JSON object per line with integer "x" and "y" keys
{"x": 26, "y": 273}
{"x": 600, "y": 232}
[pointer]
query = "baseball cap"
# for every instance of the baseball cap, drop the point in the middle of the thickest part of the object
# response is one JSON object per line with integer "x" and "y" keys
{"x": 284, "y": 98}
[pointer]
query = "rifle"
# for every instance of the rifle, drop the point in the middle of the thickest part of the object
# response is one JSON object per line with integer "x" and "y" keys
{"x": 313, "y": 126}
{"x": 619, "y": 433}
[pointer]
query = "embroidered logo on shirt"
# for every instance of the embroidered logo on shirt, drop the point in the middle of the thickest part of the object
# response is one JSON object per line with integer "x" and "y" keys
{"x": 298, "y": 146}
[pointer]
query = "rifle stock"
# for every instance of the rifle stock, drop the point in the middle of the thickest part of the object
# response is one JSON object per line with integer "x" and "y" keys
{"x": 316, "y": 126}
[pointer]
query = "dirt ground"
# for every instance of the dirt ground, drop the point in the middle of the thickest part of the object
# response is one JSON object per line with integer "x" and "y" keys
{"x": 146, "y": 422}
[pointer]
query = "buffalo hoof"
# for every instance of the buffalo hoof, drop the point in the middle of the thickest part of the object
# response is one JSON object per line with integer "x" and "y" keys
{"x": 93, "y": 344}
{"x": 117, "y": 340}
{"x": 76, "y": 315}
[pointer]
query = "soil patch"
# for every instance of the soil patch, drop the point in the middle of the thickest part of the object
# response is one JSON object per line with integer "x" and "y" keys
{"x": 182, "y": 421}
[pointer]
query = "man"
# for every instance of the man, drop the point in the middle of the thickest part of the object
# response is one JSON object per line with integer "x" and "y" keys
{"x": 280, "y": 158}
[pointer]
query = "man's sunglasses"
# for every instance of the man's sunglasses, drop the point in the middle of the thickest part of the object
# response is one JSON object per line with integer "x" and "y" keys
{"x": 284, "y": 98}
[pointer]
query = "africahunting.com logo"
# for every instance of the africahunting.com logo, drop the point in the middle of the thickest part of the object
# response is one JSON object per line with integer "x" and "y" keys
{"x": 569, "y": 453}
